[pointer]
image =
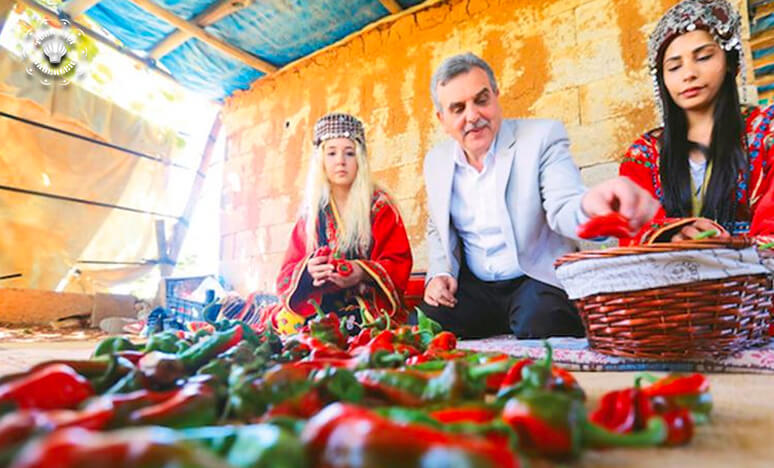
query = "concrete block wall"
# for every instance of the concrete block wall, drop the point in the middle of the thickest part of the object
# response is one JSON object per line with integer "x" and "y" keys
{"x": 579, "y": 61}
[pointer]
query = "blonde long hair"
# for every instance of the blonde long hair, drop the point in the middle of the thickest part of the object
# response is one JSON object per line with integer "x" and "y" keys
{"x": 355, "y": 232}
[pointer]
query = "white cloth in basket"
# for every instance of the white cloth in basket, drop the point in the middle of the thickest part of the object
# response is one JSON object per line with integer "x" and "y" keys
{"x": 645, "y": 271}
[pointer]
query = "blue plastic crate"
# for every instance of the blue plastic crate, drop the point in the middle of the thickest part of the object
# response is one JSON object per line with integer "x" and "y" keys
{"x": 177, "y": 292}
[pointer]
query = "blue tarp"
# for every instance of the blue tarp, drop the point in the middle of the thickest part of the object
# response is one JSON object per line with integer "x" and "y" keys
{"x": 277, "y": 31}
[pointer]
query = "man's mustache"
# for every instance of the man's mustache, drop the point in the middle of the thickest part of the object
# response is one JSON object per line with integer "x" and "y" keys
{"x": 480, "y": 123}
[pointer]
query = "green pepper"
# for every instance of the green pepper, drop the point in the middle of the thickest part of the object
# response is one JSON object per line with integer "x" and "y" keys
{"x": 117, "y": 368}
{"x": 494, "y": 428}
{"x": 131, "y": 382}
{"x": 548, "y": 423}
{"x": 528, "y": 374}
{"x": 250, "y": 395}
{"x": 193, "y": 405}
{"x": 198, "y": 354}
{"x": 253, "y": 446}
{"x": 161, "y": 370}
{"x": 555, "y": 424}
{"x": 127, "y": 448}
{"x": 326, "y": 327}
{"x": 113, "y": 345}
{"x": 427, "y": 328}
{"x": 349, "y": 435}
{"x": 166, "y": 342}
{"x": 339, "y": 384}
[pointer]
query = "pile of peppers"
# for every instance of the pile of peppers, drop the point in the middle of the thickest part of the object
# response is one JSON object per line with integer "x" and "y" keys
{"x": 228, "y": 395}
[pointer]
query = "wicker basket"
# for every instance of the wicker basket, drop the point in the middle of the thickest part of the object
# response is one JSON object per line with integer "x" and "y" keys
{"x": 694, "y": 320}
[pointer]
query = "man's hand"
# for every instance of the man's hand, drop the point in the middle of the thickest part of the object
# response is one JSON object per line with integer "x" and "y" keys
{"x": 440, "y": 291}
{"x": 319, "y": 269}
{"x": 624, "y": 196}
{"x": 691, "y": 231}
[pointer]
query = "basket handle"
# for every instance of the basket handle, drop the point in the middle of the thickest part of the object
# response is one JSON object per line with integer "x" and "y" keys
{"x": 664, "y": 233}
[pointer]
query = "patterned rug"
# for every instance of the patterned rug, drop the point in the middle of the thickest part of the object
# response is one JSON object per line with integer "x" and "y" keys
{"x": 575, "y": 354}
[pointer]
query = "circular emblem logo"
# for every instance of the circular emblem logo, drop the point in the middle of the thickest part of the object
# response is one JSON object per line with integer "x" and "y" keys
{"x": 56, "y": 55}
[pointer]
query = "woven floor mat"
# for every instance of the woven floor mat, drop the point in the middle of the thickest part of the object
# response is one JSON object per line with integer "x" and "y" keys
{"x": 575, "y": 354}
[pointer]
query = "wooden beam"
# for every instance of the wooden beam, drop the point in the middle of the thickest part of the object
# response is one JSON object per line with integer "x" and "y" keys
{"x": 212, "y": 14}
{"x": 763, "y": 10}
{"x": 766, "y": 95}
{"x": 392, "y": 6}
{"x": 48, "y": 14}
{"x": 763, "y": 40}
{"x": 764, "y": 80}
{"x": 180, "y": 228}
{"x": 75, "y": 8}
{"x": 764, "y": 61}
{"x": 199, "y": 33}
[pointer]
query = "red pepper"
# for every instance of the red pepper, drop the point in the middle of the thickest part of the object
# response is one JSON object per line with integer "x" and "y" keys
{"x": 678, "y": 385}
{"x": 407, "y": 350}
{"x": 612, "y": 224}
{"x": 536, "y": 432}
{"x": 513, "y": 376}
{"x": 51, "y": 387}
{"x": 323, "y": 251}
{"x": 342, "y": 267}
{"x": 679, "y": 427}
{"x": 617, "y": 411}
{"x": 444, "y": 341}
{"x": 384, "y": 340}
{"x": 361, "y": 339}
{"x": 494, "y": 381}
{"x": 326, "y": 352}
{"x": 353, "y": 434}
{"x": 305, "y": 406}
{"x": 464, "y": 414}
{"x": 192, "y": 405}
{"x": 233, "y": 341}
{"x": 418, "y": 359}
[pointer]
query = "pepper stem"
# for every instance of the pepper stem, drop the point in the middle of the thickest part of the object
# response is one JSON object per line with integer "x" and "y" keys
{"x": 706, "y": 234}
{"x": 548, "y": 360}
{"x": 317, "y": 308}
{"x": 489, "y": 369}
{"x": 655, "y": 433}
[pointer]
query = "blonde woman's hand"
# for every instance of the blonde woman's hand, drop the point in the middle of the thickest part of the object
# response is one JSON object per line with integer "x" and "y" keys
{"x": 351, "y": 280}
{"x": 691, "y": 231}
{"x": 320, "y": 270}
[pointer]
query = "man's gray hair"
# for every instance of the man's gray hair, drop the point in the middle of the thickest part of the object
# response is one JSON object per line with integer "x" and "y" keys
{"x": 457, "y": 65}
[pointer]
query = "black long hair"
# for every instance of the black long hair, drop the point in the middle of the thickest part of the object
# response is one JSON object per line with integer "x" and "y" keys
{"x": 725, "y": 153}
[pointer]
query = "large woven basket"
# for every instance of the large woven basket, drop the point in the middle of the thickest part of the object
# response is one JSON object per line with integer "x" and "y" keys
{"x": 695, "y": 320}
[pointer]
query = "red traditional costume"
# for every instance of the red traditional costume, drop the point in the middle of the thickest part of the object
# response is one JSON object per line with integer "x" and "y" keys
{"x": 387, "y": 264}
{"x": 754, "y": 195}
{"x": 752, "y": 198}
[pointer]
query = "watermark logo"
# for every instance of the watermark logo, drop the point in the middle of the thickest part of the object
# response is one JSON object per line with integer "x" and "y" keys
{"x": 56, "y": 55}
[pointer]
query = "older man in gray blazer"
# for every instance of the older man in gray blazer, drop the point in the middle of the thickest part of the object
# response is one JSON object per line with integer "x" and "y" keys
{"x": 504, "y": 201}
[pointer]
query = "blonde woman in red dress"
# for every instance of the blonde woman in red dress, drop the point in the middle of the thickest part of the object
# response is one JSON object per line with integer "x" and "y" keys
{"x": 349, "y": 252}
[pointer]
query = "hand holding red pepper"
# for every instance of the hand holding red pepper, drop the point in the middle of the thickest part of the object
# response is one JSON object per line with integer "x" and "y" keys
{"x": 613, "y": 224}
{"x": 346, "y": 274}
{"x": 319, "y": 266}
{"x": 624, "y": 196}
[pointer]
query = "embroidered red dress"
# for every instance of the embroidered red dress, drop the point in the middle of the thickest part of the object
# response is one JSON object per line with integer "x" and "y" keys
{"x": 754, "y": 199}
{"x": 387, "y": 265}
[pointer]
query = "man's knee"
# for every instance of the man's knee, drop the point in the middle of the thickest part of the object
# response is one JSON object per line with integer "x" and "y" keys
{"x": 543, "y": 311}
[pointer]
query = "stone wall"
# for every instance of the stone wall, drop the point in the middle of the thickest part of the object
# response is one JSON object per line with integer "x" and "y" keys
{"x": 580, "y": 61}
